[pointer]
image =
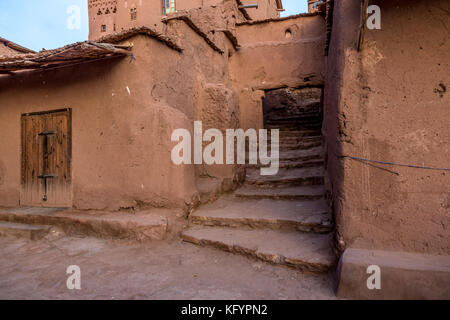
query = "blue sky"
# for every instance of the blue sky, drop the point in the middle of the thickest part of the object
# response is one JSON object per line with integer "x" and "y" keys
{"x": 293, "y": 7}
{"x": 38, "y": 24}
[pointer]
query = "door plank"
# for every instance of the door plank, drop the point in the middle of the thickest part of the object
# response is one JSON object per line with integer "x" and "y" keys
{"x": 59, "y": 192}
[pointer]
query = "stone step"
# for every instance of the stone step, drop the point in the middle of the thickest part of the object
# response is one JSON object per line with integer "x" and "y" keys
{"x": 292, "y": 121}
{"x": 283, "y": 146}
{"x": 229, "y": 211}
{"x": 301, "y": 155}
{"x": 309, "y": 252}
{"x": 286, "y": 193}
{"x": 287, "y": 177}
{"x": 302, "y": 164}
{"x": 305, "y": 117}
{"x": 296, "y": 139}
{"x": 295, "y": 127}
{"x": 21, "y": 230}
{"x": 294, "y": 164}
{"x": 301, "y": 145}
{"x": 297, "y": 155}
{"x": 299, "y": 133}
{"x": 144, "y": 225}
{"x": 209, "y": 189}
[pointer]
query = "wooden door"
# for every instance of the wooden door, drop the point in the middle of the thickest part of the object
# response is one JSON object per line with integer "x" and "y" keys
{"x": 46, "y": 159}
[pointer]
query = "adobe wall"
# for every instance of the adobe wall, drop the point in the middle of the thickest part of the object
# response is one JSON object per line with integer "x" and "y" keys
{"x": 390, "y": 103}
{"x": 216, "y": 100}
{"x": 118, "y": 17}
{"x": 267, "y": 9}
{"x": 276, "y": 54}
{"x": 213, "y": 20}
{"x": 149, "y": 13}
{"x": 123, "y": 114}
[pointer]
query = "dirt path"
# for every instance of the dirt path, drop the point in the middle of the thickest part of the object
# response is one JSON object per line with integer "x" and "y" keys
{"x": 114, "y": 269}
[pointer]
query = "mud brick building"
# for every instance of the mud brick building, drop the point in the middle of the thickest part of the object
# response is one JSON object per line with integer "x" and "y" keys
{"x": 364, "y": 143}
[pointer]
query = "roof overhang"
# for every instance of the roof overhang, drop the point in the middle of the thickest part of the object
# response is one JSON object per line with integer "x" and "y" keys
{"x": 68, "y": 55}
{"x": 145, "y": 31}
{"x": 15, "y": 46}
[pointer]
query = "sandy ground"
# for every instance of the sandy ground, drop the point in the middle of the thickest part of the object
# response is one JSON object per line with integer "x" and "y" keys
{"x": 117, "y": 269}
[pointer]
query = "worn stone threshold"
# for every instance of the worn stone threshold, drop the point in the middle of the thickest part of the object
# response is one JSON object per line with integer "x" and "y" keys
{"x": 142, "y": 226}
{"x": 229, "y": 211}
{"x": 308, "y": 252}
{"x": 21, "y": 230}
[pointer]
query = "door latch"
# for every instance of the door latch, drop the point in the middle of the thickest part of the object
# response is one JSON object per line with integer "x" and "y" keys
{"x": 46, "y": 153}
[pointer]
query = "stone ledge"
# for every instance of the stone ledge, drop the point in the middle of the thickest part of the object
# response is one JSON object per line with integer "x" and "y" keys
{"x": 20, "y": 230}
{"x": 143, "y": 226}
{"x": 403, "y": 275}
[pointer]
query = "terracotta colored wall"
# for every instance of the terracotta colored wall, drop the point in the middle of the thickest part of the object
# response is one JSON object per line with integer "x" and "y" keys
{"x": 149, "y": 13}
{"x": 270, "y": 58}
{"x": 121, "y": 141}
{"x": 266, "y": 9}
{"x": 387, "y": 103}
{"x": 216, "y": 101}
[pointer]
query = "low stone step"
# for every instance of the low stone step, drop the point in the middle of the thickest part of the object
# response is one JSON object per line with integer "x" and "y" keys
{"x": 296, "y": 139}
{"x": 309, "y": 252}
{"x": 301, "y": 145}
{"x": 144, "y": 225}
{"x": 307, "y": 216}
{"x": 283, "y": 124}
{"x": 296, "y": 155}
{"x": 286, "y": 193}
{"x": 209, "y": 189}
{"x": 21, "y": 230}
{"x": 302, "y": 164}
{"x": 287, "y": 177}
{"x": 304, "y": 119}
{"x": 299, "y": 133}
{"x": 294, "y": 164}
{"x": 301, "y": 155}
{"x": 295, "y": 127}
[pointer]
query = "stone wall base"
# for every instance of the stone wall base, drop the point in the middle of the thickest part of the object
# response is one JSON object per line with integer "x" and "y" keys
{"x": 402, "y": 275}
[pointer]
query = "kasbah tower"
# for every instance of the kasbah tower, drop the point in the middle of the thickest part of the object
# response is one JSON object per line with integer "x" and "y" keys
{"x": 110, "y": 16}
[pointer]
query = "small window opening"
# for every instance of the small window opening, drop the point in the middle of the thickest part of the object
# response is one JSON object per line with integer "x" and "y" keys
{"x": 168, "y": 6}
{"x": 133, "y": 13}
{"x": 288, "y": 34}
{"x": 103, "y": 28}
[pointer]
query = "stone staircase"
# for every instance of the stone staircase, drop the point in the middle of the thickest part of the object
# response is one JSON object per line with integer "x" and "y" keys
{"x": 282, "y": 219}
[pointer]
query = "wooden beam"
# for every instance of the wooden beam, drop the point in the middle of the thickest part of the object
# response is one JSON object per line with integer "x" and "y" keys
{"x": 362, "y": 26}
